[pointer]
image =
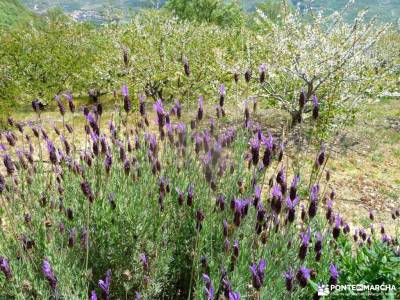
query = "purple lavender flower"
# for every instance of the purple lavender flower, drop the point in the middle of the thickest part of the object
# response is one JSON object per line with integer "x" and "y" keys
{"x": 257, "y": 195}
{"x": 93, "y": 295}
{"x": 8, "y": 164}
{"x": 291, "y": 205}
{"x": 225, "y": 228}
{"x": 318, "y": 243}
{"x": 104, "y": 285}
{"x": 11, "y": 138}
{"x": 329, "y": 210}
{"x": 69, "y": 98}
{"x": 258, "y": 273}
{"x": 108, "y": 163}
{"x": 190, "y": 194}
{"x": 355, "y": 236}
{"x": 305, "y": 240}
{"x": 293, "y": 187}
{"x": 255, "y": 150}
{"x": 385, "y": 238}
{"x": 198, "y": 142}
{"x": 222, "y": 93}
{"x": 5, "y": 267}
{"x": 144, "y": 261}
{"x": 247, "y": 75}
{"x": 177, "y": 109}
{"x": 334, "y": 272}
{"x": 69, "y": 128}
{"x": 315, "y": 111}
{"x": 346, "y": 228}
{"x": 208, "y": 289}
{"x": 289, "y": 276}
{"x": 371, "y": 215}
{"x": 276, "y": 203}
{"x": 85, "y": 238}
{"x": 302, "y": 99}
{"x": 186, "y": 66}
{"x": 49, "y": 274}
{"x": 159, "y": 109}
{"x": 200, "y": 110}
{"x": 336, "y": 229}
{"x": 199, "y": 219}
{"x": 137, "y": 296}
{"x": 321, "y": 157}
{"x": 52, "y": 152}
{"x": 142, "y": 106}
{"x": 312, "y": 209}
{"x": 302, "y": 276}
{"x": 87, "y": 191}
{"x": 72, "y": 238}
{"x": 37, "y": 106}
{"x": 10, "y": 121}
{"x": 236, "y": 248}
{"x": 61, "y": 106}
{"x": 262, "y": 69}
{"x": 180, "y": 196}
{"x": 127, "y": 100}
{"x": 240, "y": 209}
{"x": 234, "y": 295}
{"x": 363, "y": 234}
{"x": 281, "y": 179}
{"x": 92, "y": 122}
{"x": 85, "y": 111}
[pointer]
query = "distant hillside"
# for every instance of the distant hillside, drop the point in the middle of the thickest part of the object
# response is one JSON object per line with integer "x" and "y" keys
{"x": 12, "y": 12}
{"x": 385, "y": 10}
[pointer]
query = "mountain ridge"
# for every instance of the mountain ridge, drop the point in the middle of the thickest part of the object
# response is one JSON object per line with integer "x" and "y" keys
{"x": 384, "y": 10}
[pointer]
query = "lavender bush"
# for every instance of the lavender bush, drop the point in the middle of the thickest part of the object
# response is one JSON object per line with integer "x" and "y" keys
{"x": 168, "y": 209}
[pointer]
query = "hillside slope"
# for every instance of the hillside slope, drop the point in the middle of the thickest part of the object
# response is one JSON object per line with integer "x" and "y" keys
{"x": 12, "y": 11}
{"x": 384, "y": 10}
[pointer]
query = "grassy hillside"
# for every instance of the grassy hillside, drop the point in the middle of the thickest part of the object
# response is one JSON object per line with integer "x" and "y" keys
{"x": 11, "y": 12}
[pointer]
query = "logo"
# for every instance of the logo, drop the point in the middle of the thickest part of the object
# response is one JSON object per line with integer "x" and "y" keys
{"x": 360, "y": 289}
{"x": 323, "y": 290}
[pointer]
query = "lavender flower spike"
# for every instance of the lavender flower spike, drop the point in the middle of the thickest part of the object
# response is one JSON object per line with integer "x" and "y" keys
{"x": 222, "y": 93}
{"x": 105, "y": 285}
{"x": 302, "y": 276}
{"x": 49, "y": 274}
{"x": 93, "y": 295}
{"x": 258, "y": 273}
{"x": 186, "y": 66}
{"x": 234, "y": 296}
{"x": 289, "y": 276}
{"x": 333, "y": 270}
{"x": 61, "y": 106}
{"x": 262, "y": 69}
{"x": 200, "y": 110}
{"x": 208, "y": 289}
{"x": 305, "y": 240}
{"x": 69, "y": 98}
{"x": 315, "y": 111}
{"x": 5, "y": 267}
{"x": 127, "y": 101}
{"x": 291, "y": 206}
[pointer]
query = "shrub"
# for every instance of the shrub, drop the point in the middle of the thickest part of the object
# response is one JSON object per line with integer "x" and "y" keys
{"x": 167, "y": 211}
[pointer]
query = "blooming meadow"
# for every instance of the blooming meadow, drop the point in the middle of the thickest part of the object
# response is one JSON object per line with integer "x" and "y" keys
{"x": 183, "y": 203}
